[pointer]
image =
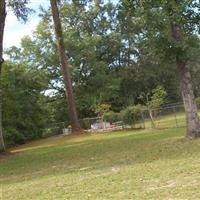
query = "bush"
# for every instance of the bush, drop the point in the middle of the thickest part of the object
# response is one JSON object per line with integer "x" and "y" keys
{"x": 102, "y": 108}
{"x": 198, "y": 102}
{"x": 13, "y": 137}
{"x": 112, "y": 117}
{"x": 131, "y": 114}
{"x": 85, "y": 123}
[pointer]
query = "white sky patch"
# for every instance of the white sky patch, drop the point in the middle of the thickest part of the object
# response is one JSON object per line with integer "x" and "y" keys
{"x": 16, "y": 30}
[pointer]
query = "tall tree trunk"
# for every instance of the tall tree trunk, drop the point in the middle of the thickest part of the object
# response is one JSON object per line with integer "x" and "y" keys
{"x": 65, "y": 69}
{"x": 192, "y": 118}
{"x": 2, "y": 24}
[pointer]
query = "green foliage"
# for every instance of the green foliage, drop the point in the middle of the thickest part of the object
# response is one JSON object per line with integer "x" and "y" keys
{"x": 20, "y": 8}
{"x": 132, "y": 114}
{"x": 102, "y": 108}
{"x": 86, "y": 123}
{"x": 198, "y": 101}
{"x": 24, "y": 110}
{"x": 112, "y": 117}
{"x": 157, "y": 98}
{"x": 109, "y": 59}
{"x": 116, "y": 53}
{"x": 13, "y": 137}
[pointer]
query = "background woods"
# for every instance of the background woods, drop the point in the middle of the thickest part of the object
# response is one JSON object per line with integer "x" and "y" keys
{"x": 117, "y": 52}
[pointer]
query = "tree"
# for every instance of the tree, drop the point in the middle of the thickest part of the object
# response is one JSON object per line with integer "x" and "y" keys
{"x": 141, "y": 70}
{"x": 102, "y": 109}
{"x": 21, "y": 11}
{"x": 103, "y": 67}
{"x": 112, "y": 57}
{"x": 65, "y": 69}
{"x": 89, "y": 57}
{"x": 169, "y": 28}
{"x": 2, "y": 24}
{"x": 179, "y": 34}
{"x": 25, "y": 108}
{"x": 155, "y": 101}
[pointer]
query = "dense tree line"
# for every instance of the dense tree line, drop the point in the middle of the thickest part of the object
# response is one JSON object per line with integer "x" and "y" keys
{"x": 21, "y": 11}
{"x": 116, "y": 53}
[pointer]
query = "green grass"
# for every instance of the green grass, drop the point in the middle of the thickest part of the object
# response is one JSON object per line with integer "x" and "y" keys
{"x": 168, "y": 121}
{"x": 163, "y": 120}
{"x": 120, "y": 165}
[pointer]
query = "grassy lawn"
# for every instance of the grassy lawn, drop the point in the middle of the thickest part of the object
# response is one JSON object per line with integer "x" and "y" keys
{"x": 168, "y": 121}
{"x": 163, "y": 120}
{"x": 123, "y": 165}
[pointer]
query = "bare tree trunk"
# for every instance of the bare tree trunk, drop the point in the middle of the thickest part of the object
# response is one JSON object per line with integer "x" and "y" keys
{"x": 2, "y": 24}
{"x": 150, "y": 112}
{"x": 151, "y": 118}
{"x": 192, "y": 118}
{"x": 65, "y": 69}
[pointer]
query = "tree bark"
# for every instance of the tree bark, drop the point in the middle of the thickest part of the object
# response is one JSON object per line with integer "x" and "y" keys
{"x": 65, "y": 69}
{"x": 2, "y": 25}
{"x": 192, "y": 118}
{"x": 151, "y": 118}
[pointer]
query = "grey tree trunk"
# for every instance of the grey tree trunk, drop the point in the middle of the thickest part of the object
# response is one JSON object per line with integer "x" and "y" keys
{"x": 151, "y": 118}
{"x": 2, "y": 24}
{"x": 65, "y": 69}
{"x": 192, "y": 118}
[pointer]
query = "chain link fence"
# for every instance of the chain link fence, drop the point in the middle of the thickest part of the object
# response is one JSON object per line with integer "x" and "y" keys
{"x": 54, "y": 129}
{"x": 169, "y": 116}
{"x": 96, "y": 124}
{"x": 166, "y": 117}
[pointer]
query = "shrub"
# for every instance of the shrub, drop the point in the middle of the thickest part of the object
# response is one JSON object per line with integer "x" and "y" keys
{"x": 131, "y": 114}
{"x": 112, "y": 117}
{"x": 158, "y": 97}
{"x": 85, "y": 123}
{"x": 198, "y": 102}
{"x": 102, "y": 108}
{"x": 13, "y": 137}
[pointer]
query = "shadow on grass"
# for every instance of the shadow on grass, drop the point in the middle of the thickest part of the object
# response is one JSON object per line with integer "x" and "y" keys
{"x": 96, "y": 153}
{"x": 5, "y": 155}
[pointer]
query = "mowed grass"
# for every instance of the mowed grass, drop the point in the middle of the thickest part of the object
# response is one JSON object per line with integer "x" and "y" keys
{"x": 148, "y": 164}
{"x": 170, "y": 120}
